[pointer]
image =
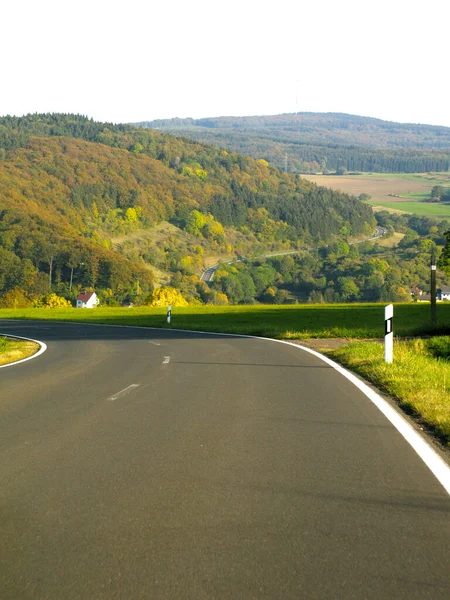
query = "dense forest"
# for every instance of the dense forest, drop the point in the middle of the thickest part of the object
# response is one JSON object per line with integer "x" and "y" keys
{"x": 325, "y": 142}
{"x": 70, "y": 186}
{"x": 345, "y": 272}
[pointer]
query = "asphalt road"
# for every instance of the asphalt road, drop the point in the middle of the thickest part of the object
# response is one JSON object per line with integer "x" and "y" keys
{"x": 157, "y": 464}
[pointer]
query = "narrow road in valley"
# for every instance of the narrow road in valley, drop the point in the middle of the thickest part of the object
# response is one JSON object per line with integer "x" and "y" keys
{"x": 161, "y": 464}
{"x": 208, "y": 275}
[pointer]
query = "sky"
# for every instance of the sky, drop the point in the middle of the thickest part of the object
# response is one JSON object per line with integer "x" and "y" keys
{"x": 129, "y": 61}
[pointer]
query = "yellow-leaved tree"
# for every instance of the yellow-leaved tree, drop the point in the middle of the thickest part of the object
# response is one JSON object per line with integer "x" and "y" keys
{"x": 165, "y": 296}
{"x": 14, "y": 299}
{"x": 52, "y": 301}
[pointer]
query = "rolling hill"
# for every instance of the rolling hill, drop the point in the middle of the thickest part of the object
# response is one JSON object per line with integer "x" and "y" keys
{"x": 69, "y": 185}
{"x": 311, "y": 142}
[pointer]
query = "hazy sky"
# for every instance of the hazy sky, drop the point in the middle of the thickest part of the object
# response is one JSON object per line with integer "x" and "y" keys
{"x": 134, "y": 60}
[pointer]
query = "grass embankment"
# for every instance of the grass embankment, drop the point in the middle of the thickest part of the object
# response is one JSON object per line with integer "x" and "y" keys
{"x": 418, "y": 378}
{"x": 281, "y": 322}
{"x": 12, "y": 350}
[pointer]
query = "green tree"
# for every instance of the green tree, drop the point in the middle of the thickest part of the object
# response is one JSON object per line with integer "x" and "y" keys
{"x": 444, "y": 259}
{"x": 347, "y": 288}
{"x": 195, "y": 223}
{"x": 316, "y": 297}
{"x": 131, "y": 215}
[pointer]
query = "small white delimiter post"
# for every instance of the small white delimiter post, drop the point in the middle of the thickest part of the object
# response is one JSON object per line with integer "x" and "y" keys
{"x": 388, "y": 333}
{"x": 169, "y": 312}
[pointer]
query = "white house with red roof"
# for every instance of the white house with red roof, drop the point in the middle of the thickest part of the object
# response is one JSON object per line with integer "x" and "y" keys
{"x": 87, "y": 299}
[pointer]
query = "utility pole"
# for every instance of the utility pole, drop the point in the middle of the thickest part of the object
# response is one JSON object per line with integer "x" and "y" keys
{"x": 433, "y": 290}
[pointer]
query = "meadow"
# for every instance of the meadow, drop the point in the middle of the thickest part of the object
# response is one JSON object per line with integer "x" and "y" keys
{"x": 298, "y": 321}
{"x": 404, "y": 192}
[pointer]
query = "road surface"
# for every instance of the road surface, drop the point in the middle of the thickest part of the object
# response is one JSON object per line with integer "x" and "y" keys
{"x": 160, "y": 464}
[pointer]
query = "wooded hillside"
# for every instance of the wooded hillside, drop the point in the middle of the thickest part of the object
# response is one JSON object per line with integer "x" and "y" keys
{"x": 311, "y": 142}
{"x": 68, "y": 185}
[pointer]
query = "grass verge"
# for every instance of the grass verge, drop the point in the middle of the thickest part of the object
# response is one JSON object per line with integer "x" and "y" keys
{"x": 12, "y": 350}
{"x": 419, "y": 377}
{"x": 282, "y": 322}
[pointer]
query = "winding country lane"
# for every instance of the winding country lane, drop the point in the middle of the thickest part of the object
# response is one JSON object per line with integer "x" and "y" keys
{"x": 208, "y": 275}
{"x": 161, "y": 464}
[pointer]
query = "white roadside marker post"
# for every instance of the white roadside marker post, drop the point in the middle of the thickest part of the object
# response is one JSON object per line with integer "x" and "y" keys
{"x": 169, "y": 313}
{"x": 433, "y": 291}
{"x": 388, "y": 333}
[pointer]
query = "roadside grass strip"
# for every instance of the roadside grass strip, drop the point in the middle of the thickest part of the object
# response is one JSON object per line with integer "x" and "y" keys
{"x": 13, "y": 350}
{"x": 299, "y": 321}
{"x": 418, "y": 378}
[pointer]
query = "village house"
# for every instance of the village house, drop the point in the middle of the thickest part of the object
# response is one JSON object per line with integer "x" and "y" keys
{"x": 87, "y": 299}
{"x": 443, "y": 293}
{"x": 416, "y": 292}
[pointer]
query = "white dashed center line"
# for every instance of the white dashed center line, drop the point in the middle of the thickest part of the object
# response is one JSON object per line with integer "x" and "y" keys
{"x": 123, "y": 392}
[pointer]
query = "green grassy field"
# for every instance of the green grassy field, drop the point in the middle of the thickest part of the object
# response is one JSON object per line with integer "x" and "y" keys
{"x": 426, "y": 209}
{"x": 282, "y": 322}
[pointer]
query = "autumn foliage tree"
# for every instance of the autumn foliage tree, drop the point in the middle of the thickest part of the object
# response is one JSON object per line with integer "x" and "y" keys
{"x": 166, "y": 296}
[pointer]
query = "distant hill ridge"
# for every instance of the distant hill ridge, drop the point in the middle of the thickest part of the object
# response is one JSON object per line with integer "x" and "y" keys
{"x": 322, "y": 141}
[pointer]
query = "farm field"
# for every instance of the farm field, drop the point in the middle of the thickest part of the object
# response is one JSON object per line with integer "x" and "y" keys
{"x": 402, "y": 192}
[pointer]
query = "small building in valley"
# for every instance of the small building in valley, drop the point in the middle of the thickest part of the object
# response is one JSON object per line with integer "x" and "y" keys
{"x": 443, "y": 293}
{"x": 416, "y": 292}
{"x": 87, "y": 299}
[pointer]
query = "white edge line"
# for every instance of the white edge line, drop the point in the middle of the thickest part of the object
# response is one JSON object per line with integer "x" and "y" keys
{"x": 43, "y": 348}
{"x": 429, "y": 456}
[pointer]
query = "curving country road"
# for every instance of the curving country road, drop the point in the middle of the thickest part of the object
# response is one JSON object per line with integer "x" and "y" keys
{"x": 161, "y": 464}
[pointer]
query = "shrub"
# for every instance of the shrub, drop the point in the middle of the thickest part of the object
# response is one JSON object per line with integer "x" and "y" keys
{"x": 52, "y": 301}
{"x": 439, "y": 347}
{"x": 165, "y": 296}
{"x": 14, "y": 299}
